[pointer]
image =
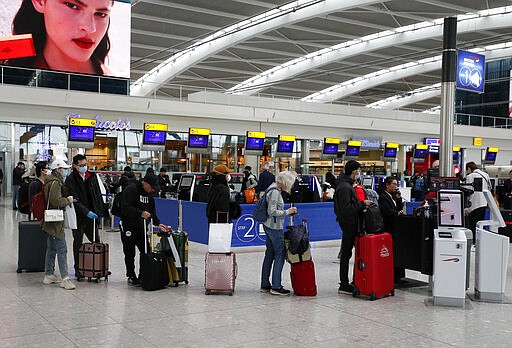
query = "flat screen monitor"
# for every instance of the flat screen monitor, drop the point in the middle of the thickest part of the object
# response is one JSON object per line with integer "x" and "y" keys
{"x": 441, "y": 183}
{"x": 368, "y": 183}
{"x": 420, "y": 153}
{"x": 450, "y": 208}
{"x": 152, "y": 137}
{"x": 198, "y": 141}
{"x": 390, "y": 152}
{"x": 81, "y": 134}
{"x": 456, "y": 155}
{"x": 108, "y": 48}
{"x": 254, "y": 143}
{"x": 285, "y": 146}
{"x": 330, "y": 149}
{"x": 352, "y": 151}
{"x": 490, "y": 156}
{"x": 186, "y": 181}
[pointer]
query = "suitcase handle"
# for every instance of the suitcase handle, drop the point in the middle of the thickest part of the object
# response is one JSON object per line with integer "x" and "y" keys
{"x": 361, "y": 265}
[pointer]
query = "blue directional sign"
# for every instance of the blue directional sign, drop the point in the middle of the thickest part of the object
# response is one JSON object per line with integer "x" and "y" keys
{"x": 470, "y": 71}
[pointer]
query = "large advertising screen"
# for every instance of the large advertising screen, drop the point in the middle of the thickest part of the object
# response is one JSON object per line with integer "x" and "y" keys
{"x": 77, "y": 36}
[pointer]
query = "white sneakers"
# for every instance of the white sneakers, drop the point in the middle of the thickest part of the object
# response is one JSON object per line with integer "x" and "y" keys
{"x": 63, "y": 283}
{"x": 67, "y": 284}
{"x": 51, "y": 279}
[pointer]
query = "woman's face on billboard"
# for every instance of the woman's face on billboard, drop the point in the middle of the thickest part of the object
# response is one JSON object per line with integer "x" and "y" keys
{"x": 74, "y": 28}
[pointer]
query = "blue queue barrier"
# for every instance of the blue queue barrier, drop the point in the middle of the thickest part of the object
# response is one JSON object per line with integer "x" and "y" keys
{"x": 321, "y": 220}
{"x": 410, "y": 206}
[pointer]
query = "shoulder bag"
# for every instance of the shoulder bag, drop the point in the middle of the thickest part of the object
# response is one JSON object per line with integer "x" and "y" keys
{"x": 52, "y": 215}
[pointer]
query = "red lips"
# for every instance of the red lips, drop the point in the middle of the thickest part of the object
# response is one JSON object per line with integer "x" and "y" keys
{"x": 84, "y": 42}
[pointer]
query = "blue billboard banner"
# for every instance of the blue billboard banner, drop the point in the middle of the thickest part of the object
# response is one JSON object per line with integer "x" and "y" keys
{"x": 470, "y": 71}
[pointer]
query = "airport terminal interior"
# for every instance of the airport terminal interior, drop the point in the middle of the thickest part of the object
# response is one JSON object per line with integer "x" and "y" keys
{"x": 188, "y": 86}
{"x": 114, "y": 314}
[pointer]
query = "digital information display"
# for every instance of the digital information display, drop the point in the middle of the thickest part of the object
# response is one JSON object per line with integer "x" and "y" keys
{"x": 81, "y": 129}
{"x": 420, "y": 153}
{"x": 352, "y": 151}
{"x": 490, "y": 156}
{"x": 331, "y": 146}
{"x": 198, "y": 137}
{"x": 285, "y": 146}
{"x": 391, "y": 153}
{"x": 18, "y": 38}
{"x": 255, "y": 140}
{"x": 451, "y": 210}
{"x": 154, "y": 134}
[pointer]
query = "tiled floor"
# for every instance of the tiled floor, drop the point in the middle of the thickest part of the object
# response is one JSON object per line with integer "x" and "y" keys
{"x": 115, "y": 315}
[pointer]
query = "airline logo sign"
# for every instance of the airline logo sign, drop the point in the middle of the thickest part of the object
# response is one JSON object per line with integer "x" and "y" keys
{"x": 470, "y": 71}
{"x": 199, "y": 131}
{"x": 259, "y": 135}
{"x": 82, "y": 122}
{"x": 155, "y": 127}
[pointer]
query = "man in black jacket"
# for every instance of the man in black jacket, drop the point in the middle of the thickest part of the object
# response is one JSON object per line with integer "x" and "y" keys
{"x": 347, "y": 209}
{"x": 164, "y": 182}
{"x": 88, "y": 203}
{"x": 137, "y": 205}
{"x": 218, "y": 195}
{"x": 17, "y": 173}
{"x": 127, "y": 178}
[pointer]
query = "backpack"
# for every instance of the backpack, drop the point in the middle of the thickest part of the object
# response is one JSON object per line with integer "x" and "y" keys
{"x": 298, "y": 238}
{"x": 418, "y": 185}
{"x": 372, "y": 195}
{"x": 372, "y": 219}
{"x": 38, "y": 205}
{"x": 23, "y": 202}
{"x": 260, "y": 212}
{"x": 116, "y": 205}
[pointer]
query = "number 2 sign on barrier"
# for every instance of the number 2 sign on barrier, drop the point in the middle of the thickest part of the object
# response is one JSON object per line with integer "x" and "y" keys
{"x": 247, "y": 230}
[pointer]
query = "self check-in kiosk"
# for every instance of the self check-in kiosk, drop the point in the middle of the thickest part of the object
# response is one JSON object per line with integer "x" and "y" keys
{"x": 491, "y": 256}
{"x": 451, "y": 259}
{"x": 186, "y": 186}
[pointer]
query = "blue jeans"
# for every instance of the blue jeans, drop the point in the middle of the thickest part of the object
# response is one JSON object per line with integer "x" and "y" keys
{"x": 15, "y": 194}
{"x": 55, "y": 246}
{"x": 273, "y": 254}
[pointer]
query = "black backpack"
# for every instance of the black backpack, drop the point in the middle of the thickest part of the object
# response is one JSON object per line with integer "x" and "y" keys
{"x": 116, "y": 205}
{"x": 372, "y": 219}
{"x": 23, "y": 202}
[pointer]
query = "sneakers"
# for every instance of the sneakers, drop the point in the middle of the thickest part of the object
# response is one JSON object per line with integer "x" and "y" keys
{"x": 67, "y": 284}
{"x": 265, "y": 289}
{"x": 133, "y": 281}
{"x": 346, "y": 288}
{"x": 281, "y": 292}
{"x": 51, "y": 279}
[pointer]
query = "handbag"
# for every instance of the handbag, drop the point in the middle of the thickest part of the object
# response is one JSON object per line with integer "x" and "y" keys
{"x": 219, "y": 237}
{"x": 52, "y": 215}
{"x": 70, "y": 217}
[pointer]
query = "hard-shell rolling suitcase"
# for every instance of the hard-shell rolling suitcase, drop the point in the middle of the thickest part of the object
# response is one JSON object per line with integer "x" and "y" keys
{"x": 220, "y": 273}
{"x": 302, "y": 275}
{"x": 373, "y": 266}
{"x": 31, "y": 246}
{"x": 93, "y": 259}
{"x": 180, "y": 239}
{"x": 154, "y": 274}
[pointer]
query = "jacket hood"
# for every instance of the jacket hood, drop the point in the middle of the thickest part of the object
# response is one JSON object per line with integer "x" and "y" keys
{"x": 53, "y": 177}
{"x": 129, "y": 175}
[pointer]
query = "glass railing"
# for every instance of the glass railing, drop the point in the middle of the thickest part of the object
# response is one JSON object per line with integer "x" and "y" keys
{"x": 111, "y": 85}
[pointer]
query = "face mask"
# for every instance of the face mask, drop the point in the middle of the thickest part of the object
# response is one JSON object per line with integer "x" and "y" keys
{"x": 47, "y": 171}
{"x": 82, "y": 169}
{"x": 65, "y": 174}
{"x": 228, "y": 178}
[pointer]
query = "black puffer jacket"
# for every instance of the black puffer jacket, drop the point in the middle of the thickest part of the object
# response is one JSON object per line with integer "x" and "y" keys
{"x": 218, "y": 199}
{"x": 346, "y": 206}
{"x": 135, "y": 200}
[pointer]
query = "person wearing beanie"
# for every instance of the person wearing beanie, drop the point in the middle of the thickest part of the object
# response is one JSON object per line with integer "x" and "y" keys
{"x": 347, "y": 209}
{"x": 127, "y": 178}
{"x": 218, "y": 195}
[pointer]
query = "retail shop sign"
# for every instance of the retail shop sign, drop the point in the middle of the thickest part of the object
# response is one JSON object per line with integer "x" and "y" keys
{"x": 118, "y": 125}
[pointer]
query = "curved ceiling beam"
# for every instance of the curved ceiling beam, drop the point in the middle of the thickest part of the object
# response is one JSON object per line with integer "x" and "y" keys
{"x": 290, "y": 13}
{"x": 398, "y": 72}
{"x": 480, "y": 21}
{"x": 400, "y": 100}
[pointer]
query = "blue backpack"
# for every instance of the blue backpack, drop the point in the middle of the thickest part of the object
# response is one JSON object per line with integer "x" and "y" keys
{"x": 260, "y": 213}
{"x": 418, "y": 185}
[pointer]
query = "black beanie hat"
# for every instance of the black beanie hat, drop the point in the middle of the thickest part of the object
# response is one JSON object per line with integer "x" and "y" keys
{"x": 350, "y": 166}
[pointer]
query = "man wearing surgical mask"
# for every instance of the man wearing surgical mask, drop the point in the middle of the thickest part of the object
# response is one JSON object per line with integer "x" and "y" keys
{"x": 88, "y": 203}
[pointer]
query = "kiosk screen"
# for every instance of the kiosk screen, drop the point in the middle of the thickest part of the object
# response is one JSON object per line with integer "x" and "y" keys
{"x": 186, "y": 181}
{"x": 451, "y": 208}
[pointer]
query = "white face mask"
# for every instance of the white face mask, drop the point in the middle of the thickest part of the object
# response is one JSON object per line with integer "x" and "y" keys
{"x": 47, "y": 171}
{"x": 228, "y": 178}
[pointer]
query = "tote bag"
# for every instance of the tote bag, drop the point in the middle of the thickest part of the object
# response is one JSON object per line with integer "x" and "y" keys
{"x": 70, "y": 217}
{"x": 219, "y": 238}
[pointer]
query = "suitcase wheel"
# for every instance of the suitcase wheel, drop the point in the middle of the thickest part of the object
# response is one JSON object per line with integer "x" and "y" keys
{"x": 19, "y": 270}
{"x": 372, "y": 296}
{"x": 186, "y": 281}
{"x": 176, "y": 284}
{"x": 207, "y": 292}
{"x": 230, "y": 294}
{"x": 356, "y": 292}
{"x": 97, "y": 280}
{"x": 393, "y": 292}
{"x": 89, "y": 279}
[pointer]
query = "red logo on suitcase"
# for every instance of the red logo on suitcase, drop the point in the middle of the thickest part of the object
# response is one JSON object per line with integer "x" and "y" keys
{"x": 384, "y": 251}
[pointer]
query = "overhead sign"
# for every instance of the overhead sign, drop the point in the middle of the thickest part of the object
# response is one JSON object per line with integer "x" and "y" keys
{"x": 470, "y": 71}
{"x": 199, "y": 131}
{"x": 477, "y": 141}
{"x": 431, "y": 141}
{"x": 335, "y": 141}
{"x": 82, "y": 122}
{"x": 155, "y": 127}
{"x": 260, "y": 135}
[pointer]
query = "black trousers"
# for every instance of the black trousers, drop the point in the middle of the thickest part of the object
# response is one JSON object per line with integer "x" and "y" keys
{"x": 132, "y": 236}
{"x": 476, "y": 215}
{"x": 347, "y": 244}
{"x": 84, "y": 227}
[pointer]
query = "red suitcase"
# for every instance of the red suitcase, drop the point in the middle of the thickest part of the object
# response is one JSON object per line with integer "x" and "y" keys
{"x": 93, "y": 259}
{"x": 302, "y": 275}
{"x": 220, "y": 273}
{"x": 373, "y": 266}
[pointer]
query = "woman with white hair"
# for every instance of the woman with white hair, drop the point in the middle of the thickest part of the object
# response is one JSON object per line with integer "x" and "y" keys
{"x": 273, "y": 226}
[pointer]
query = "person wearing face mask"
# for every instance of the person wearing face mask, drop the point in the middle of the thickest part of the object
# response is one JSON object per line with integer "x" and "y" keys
{"x": 218, "y": 195}
{"x": 88, "y": 203}
{"x": 57, "y": 197}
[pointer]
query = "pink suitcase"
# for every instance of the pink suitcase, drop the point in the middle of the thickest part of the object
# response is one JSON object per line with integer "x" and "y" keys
{"x": 93, "y": 259}
{"x": 220, "y": 273}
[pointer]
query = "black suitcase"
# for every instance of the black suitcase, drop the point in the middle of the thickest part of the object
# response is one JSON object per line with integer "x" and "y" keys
{"x": 153, "y": 267}
{"x": 31, "y": 246}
